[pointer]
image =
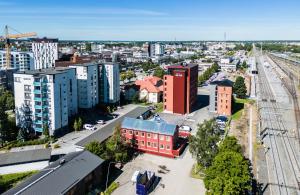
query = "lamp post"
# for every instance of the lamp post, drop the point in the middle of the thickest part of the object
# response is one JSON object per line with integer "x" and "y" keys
{"x": 108, "y": 173}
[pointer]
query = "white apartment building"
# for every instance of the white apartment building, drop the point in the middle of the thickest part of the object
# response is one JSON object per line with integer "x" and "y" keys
{"x": 45, "y": 97}
{"x": 19, "y": 61}
{"x": 87, "y": 84}
{"x": 109, "y": 83}
{"x": 45, "y": 52}
{"x": 159, "y": 49}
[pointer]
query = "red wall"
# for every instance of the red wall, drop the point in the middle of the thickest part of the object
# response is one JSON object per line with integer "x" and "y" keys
{"x": 179, "y": 105}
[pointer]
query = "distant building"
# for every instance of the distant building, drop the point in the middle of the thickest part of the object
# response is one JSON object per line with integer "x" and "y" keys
{"x": 220, "y": 99}
{"x": 87, "y": 84}
{"x": 20, "y": 61}
{"x": 157, "y": 137}
{"x": 22, "y": 161}
{"x": 7, "y": 78}
{"x": 156, "y": 49}
{"x": 151, "y": 89}
{"x": 46, "y": 97}
{"x": 109, "y": 83}
{"x": 74, "y": 173}
{"x": 45, "y": 52}
{"x": 180, "y": 88}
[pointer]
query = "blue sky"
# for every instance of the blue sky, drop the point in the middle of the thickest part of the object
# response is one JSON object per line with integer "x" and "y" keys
{"x": 155, "y": 19}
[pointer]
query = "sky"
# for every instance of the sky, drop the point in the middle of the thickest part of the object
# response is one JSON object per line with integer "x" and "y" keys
{"x": 157, "y": 20}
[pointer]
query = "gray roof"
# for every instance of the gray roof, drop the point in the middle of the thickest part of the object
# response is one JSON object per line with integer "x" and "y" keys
{"x": 47, "y": 71}
{"x": 149, "y": 126}
{"x": 27, "y": 156}
{"x": 106, "y": 131}
{"x": 59, "y": 178}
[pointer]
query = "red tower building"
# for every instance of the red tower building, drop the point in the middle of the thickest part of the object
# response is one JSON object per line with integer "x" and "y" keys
{"x": 180, "y": 88}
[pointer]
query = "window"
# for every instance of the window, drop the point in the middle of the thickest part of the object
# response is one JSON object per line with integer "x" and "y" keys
{"x": 143, "y": 134}
{"x": 161, "y": 137}
{"x": 148, "y": 135}
{"x": 168, "y": 147}
{"x": 154, "y": 136}
{"x": 136, "y": 133}
{"x": 130, "y": 132}
{"x": 168, "y": 138}
{"x": 124, "y": 130}
{"x": 148, "y": 144}
{"x": 161, "y": 146}
{"x": 142, "y": 143}
{"x": 226, "y": 107}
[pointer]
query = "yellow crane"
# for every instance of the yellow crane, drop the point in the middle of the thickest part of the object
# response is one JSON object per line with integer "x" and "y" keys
{"x": 6, "y": 38}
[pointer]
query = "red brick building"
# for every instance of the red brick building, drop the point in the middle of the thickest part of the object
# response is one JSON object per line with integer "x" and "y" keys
{"x": 151, "y": 136}
{"x": 180, "y": 88}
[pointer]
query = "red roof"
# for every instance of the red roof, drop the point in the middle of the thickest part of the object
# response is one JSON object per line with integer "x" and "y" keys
{"x": 152, "y": 84}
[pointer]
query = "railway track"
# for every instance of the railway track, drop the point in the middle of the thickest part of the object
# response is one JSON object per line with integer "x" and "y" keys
{"x": 278, "y": 138}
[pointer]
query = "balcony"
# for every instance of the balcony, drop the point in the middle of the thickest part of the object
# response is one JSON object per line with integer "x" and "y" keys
{"x": 39, "y": 114}
{"x": 38, "y": 106}
{"x": 38, "y": 122}
{"x": 37, "y": 91}
{"x": 37, "y": 99}
{"x": 37, "y": 83}
{"x": 38, "y": 129}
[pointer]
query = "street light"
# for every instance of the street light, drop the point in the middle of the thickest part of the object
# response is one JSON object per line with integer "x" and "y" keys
{"x": 108, "y": 173}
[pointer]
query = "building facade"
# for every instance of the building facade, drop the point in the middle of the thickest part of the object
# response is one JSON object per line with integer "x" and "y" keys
{"x": 87, "y": 84}
{"x": 20, "y": 61}
{"x": 150, "y": 136}
{"x": 45, "y": 52}
{"x": 180, "y": 88}
{"x": 45, "y": 97}
{"x": 109, "y": 83}
{"x": 220, "y": 99}
{"x": 151, "y": 89}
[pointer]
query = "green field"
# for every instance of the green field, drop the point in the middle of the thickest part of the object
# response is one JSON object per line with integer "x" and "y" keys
{"x": 10, "y": 180}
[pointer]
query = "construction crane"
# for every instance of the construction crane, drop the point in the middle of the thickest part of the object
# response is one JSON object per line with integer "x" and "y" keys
{"x": 6, "y": 38}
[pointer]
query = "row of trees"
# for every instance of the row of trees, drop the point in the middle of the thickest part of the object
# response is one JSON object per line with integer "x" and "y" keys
{"x": 246, "y": 46}
{"x": 114, "y": 149}
{"x": 148, "y": 66}
{"x": 226, "y": 170}
{"x": 208, "y": 73}
{"x": 280, "y": 47}
{"x": 127, "y": 75}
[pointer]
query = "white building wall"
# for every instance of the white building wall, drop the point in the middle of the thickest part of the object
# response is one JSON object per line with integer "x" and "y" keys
{"x": 45, "y": 53}
{"x": 19, "y": 60}
{"x": 110, "y": 83}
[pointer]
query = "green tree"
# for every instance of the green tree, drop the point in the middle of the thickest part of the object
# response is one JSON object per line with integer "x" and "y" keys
{"x": 75, "y": 125}
{"x": 136, "y": 98}
{"x": 239, "y": 87}
{"x": 45, "y": 130}
{"x": 88, "y": 47}
{"x": 130, "y": 74}
{"x": 228, "y": 174}
{"x": 22, "y": 135}
{"x": 96, "y": 148}
{"x": 123, "y": 76}
{"x": 203, "y": 145}
{"x": 4, "y": 130}
{"x": 244, "y": 64}
{"x": 230, "y": 143}
{"x": 79, "y": 123}
{"x": 159, "y": 72}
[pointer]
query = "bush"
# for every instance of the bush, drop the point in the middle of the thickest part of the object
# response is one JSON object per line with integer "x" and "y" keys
{"x": 55, "y": 146}
{"x": 113, "y": 186}
{"x": 16, "y": 143}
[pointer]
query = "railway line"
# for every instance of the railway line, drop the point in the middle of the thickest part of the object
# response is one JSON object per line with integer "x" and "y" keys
{"x": 282, "y": 158}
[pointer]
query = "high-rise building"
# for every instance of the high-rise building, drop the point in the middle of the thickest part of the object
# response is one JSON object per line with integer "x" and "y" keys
{"x": 45, "y": 52}
{"x": 20, "y": 61}
{"x": 87, "y": 84}
{"x": 156, "y": 49}
{"x": 109, "y": 83}
{"x": 45, "y": 97}
{"x": 220, "y": 98}
{"x": 180, "y": 88}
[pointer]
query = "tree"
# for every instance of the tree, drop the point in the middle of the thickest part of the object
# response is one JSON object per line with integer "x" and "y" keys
{"x": 22, "y": 135}
{"x": 230, "y": 143}
{"x": 136, "y": 98}
{"x": 45, "y": 130}
{"x": 203, "y": 145}
{"x": 75, "y": 125}
{"x": 123, "y": 76}
{"x": 79, "y": 123}
{"x": 4, "y": 130}
{"x": 96, "y": 148}
{"x": 239, "y": 87}
{"x": 159, "y": 72}
{"x": 88, "y": 47}
{"x": 229, "y": 174}
{"x": 244, "y": 64}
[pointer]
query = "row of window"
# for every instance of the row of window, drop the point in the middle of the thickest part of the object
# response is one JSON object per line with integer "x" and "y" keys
{"x": 149, "y": 135}
{"x": 153, "y": 145}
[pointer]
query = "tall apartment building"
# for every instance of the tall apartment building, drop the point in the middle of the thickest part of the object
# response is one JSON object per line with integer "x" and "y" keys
{"x": 109, "y": 83}
{"x": 45, "y": 97}
{"x": 220, "y": 99}
{"x": 20, "y": 61}
{"x": 156, "y": 49}
{"x": 180, "y": 88}
{"x": 87, "y": 84}
{"x": 45, "y": 52}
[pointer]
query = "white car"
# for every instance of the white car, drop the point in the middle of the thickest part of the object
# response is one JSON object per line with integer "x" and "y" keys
{"x": 89, "y": 127}
{"x": 101, "y": 122}
{"x": 185, "y": 128}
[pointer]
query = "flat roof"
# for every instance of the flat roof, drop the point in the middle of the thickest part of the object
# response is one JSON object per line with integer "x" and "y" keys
{"x": 106, "y": 131}
{"x": 149, "y": 126}
{"x": 58, "y": 178}
{"x": 48, "y": 71}
{"x": 187, "y": 66}
{"x": 26, "y": 156}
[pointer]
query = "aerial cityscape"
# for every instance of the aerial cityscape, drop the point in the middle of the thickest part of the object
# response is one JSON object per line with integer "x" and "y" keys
{"x": 154, "y": 97}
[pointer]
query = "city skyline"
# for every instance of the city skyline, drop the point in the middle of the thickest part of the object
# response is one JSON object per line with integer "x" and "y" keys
{"x": 141, "y": 21}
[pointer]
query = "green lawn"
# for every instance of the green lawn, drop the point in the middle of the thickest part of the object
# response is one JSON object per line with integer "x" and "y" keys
{"x": 10, "y": 180}
{"x": 238, "y": 107}
{"x": 160, "y": 107}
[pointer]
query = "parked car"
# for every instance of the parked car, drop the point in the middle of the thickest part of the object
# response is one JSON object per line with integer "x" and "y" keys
{"x": 114, "y": 115}
{"x": 120, "y": 107}
{"x": 89, "y": 127}
{"x": 100, "y": 122}
{"x": 185, "y": 128}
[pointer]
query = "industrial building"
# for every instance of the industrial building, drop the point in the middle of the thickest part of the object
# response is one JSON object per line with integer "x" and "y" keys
{"x": 180, "y": 88}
